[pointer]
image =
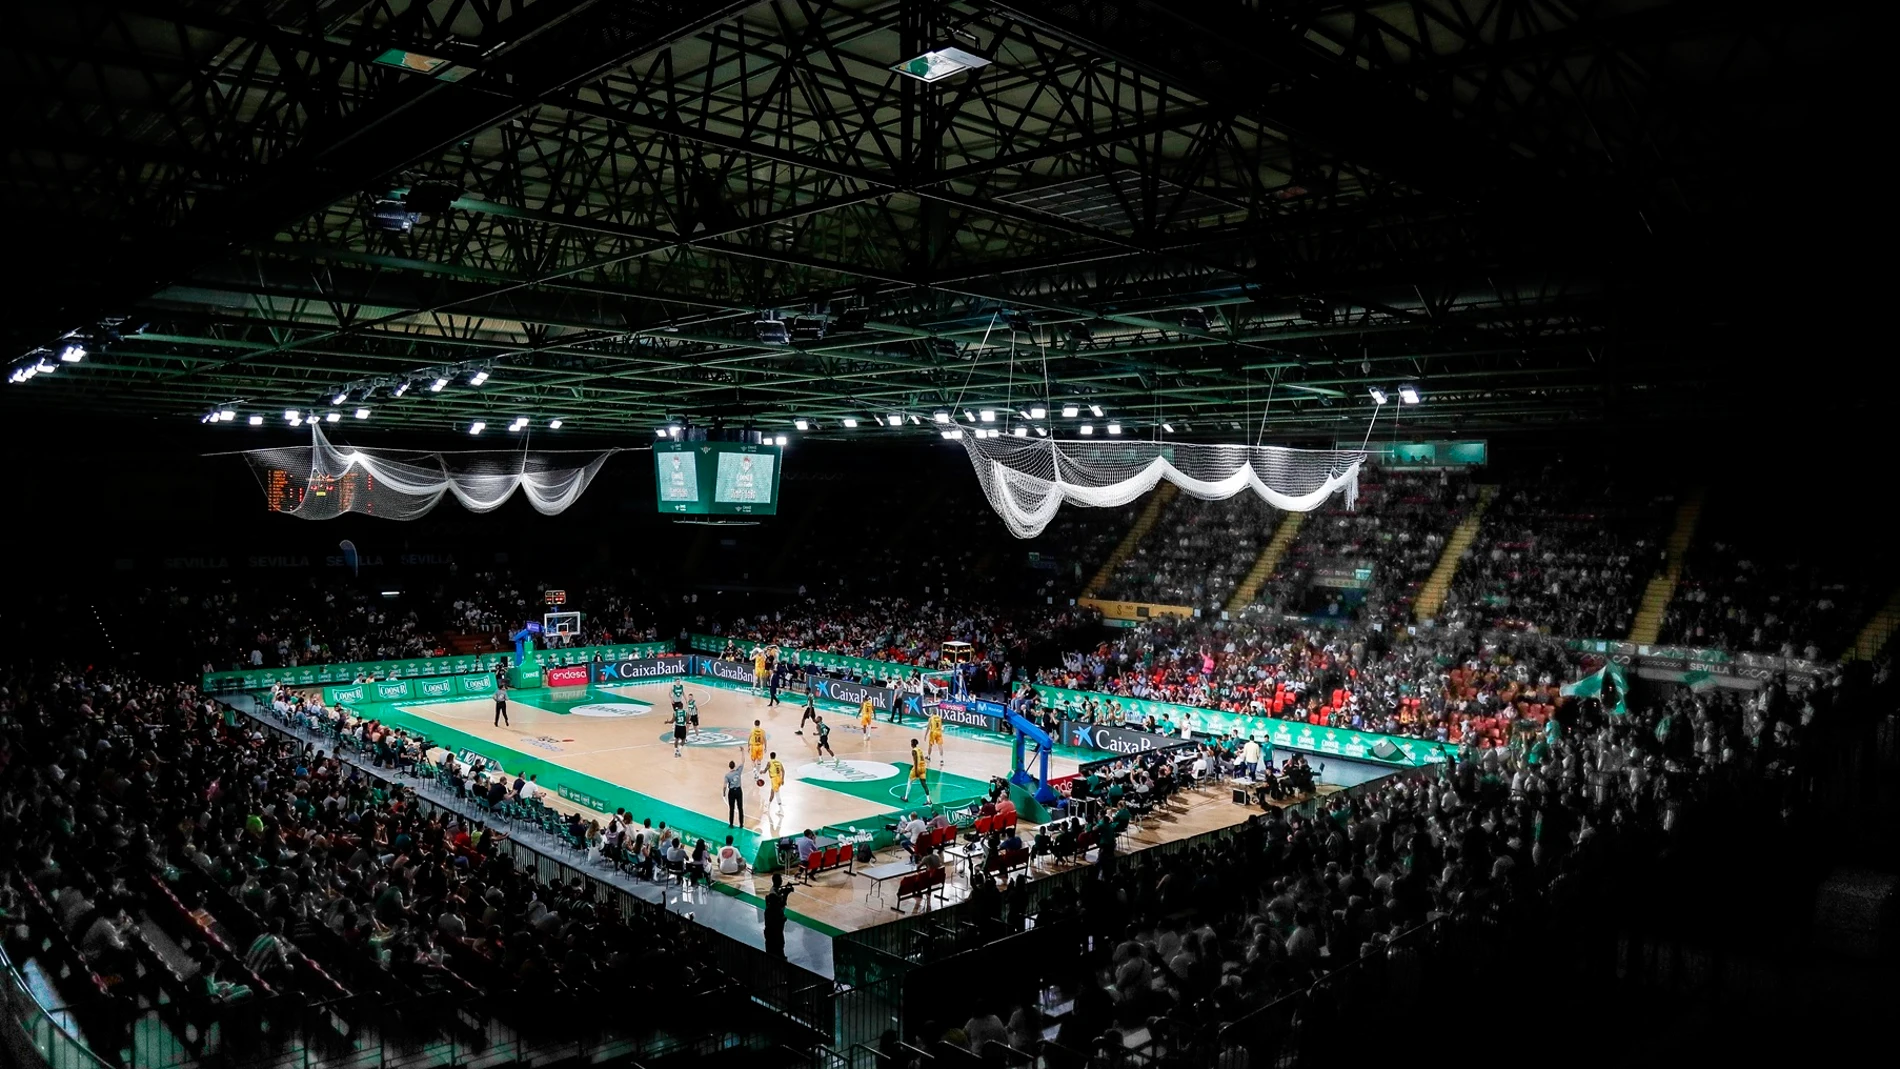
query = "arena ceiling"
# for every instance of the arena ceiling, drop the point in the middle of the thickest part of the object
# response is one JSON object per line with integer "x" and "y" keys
{"x": 1221, "y": 215}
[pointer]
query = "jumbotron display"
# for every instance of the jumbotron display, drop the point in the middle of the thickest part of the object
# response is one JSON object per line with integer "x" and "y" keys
{"x": 716, "y": 478}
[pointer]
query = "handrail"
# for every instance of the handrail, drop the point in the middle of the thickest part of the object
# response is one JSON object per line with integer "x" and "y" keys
{"x": 36, "y": 1029}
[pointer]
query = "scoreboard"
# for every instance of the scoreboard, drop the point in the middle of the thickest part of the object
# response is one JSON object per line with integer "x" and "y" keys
{"x": 717, "y": 478}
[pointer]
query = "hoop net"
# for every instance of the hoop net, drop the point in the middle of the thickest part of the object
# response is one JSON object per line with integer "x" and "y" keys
{"x": 1027, "y": 481}
{"x": 321, "y": 481}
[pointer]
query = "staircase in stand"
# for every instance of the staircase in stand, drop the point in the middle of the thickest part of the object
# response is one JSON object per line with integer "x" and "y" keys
{"x": 1662, "y": 587}
{"x": 1145, "y": 522}
{"x": 1873, "y": 637}
{"x": 1437, "y": 587}
{"x": 1264, "y": 564}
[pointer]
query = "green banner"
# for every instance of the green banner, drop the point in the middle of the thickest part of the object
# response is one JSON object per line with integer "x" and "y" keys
{"x": 837, "y": 662}
{"x": 402, "y": 690}
{"x": 311, "y": 675}
{"x": 1287, "y": 734}
{"x": 1591, "y": 686}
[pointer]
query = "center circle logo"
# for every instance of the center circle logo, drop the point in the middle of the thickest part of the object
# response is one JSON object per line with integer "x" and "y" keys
{"x": 610, "y": 709}
{"x": 708, "y": 736}
{"x": 846, "y": 771}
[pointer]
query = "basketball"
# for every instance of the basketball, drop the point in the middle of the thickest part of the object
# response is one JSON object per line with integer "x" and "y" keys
{"x": 760, "y": 783}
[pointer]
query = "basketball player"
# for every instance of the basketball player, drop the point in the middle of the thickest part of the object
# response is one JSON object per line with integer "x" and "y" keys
{"x": 692, "y": 714}
{"x": 679, "y": 728}
{"x": 775, "y": 771}
{"x": 679, "y": 694}
{"x": 811, "y": 713}
{"x": 758, "y": 745}
{"x": 501, "y": 704}
{"x": 866, "y": 713}
{"x": 933, "y": 735}
{"x": 758, "y": 669}
{"x": 917, "y": 768}
{"x": 824, "y": 738}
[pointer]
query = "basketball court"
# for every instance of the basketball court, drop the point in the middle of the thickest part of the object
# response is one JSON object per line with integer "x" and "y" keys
{"x": 623, "y": 735}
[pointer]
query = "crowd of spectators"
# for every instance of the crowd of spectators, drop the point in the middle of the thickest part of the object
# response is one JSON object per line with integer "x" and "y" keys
{"x": 1541, "y": 820}
{"x": 1196, "y": 554}
{"x": 115, "y": 792}
{"x": 1440, "y": 685}
{"x": 1396, "y": 530}
{"x": 326, "y": 620}
{"x": 906, "y": 632}
{"x": 1754, "y": 587}
{"x": 1561, "y": 556}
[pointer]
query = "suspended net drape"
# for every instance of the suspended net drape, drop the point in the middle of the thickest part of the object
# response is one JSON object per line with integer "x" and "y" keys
{"x": 321, "y": 481}
{"x": 1027, "y": 480}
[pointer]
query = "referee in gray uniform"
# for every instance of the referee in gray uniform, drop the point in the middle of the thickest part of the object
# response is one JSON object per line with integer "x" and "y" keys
{"x": 735, "y": 794}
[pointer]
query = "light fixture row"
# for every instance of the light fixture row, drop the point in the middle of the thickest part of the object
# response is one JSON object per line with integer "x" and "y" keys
{"x": 1408, "y": 394}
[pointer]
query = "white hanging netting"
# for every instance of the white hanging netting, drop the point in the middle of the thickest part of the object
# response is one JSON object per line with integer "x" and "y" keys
{"x": 1027, "y": 480}
{"x": 321, "y": 481}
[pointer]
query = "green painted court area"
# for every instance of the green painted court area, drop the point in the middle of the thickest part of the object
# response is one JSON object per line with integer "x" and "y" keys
{"x": 883, "y": 782}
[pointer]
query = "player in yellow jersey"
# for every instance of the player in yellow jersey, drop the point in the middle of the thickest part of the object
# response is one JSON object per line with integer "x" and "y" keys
{"x": 775, "y": 771}
{"x": 918, "y": 766}
{"x": 933, "y": 735}
{"x": 866, "y": 713}
{"x": 758, "y": 744}
{"x": 758, "y": 669}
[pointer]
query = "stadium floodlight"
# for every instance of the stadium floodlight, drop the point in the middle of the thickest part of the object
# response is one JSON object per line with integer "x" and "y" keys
{"x": 401, "y": 388}
{"x": 1020, "y": 432}
{"x": 914, "y": 421}
{"x": 1042, "y": 432}
{"x": 341, "y": 396}
{"x": 477, "y": 427}
{"x": 362, "y": 413}
{"x": 520, "y": 422}
{"x": 1088, "y": 428}
{"x": 772, "y": 332}
{"x": 1070, "y": 411}
{"x": 780, "y": 440}
{"x": 941, "y": 63}
{"x": 1169, "y": 427}
{"x": 969, "y": 416}
{"x": 988, "y": 415}
{"x": 72, "y": 352}
{"x": 659, "y": 432}
{"x": 332, "y": 417}
{"x": 554, "y": 424}
{"x": 292, "y": 414}
{"x": 850, "y": 423}
{"x": 940, "y": 416}
{"x": 1038, "y": 412}
{"x": 256, "y": 421}
{"x": 1096, "y": 411}
{"x": 802, "y": 424}
{"x": 478, "y": 378}
{"x": 953, "y": 432}
{"x": 673, "y": 431}
{"x": 436, "y": 386}
{"x": 1377, "y": 394}
{"x": 1114, "y": 428}
{"x": 227, "y": 414}
{"x": 1409, "y": 394}
{"x": 895, "y": 420}
{"x": 44, "y": 368}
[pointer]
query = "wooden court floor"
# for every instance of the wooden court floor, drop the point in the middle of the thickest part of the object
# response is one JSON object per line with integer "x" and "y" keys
{"x": 624, "y": 735}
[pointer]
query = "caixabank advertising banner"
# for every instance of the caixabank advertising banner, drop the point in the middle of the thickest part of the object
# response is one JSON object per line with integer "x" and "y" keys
{"x": 645, "y": 668}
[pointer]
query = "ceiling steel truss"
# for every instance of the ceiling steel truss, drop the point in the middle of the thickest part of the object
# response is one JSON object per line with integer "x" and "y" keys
{"x": 1220, "y": 216}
